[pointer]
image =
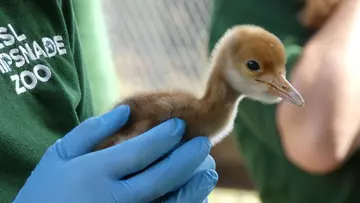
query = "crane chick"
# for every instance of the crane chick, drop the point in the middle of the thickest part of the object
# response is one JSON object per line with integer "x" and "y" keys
{"x": 248, "y": 61}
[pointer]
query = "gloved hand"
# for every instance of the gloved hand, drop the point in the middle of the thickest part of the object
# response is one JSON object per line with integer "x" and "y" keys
{"x": 69, "y": 172}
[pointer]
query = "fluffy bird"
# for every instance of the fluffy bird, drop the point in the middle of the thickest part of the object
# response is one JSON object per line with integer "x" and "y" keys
{"x": 247, "y": 62}
{"x": 317, "y": 12}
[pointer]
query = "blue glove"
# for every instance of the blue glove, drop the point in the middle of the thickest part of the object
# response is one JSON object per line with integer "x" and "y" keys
{"x": 70, "y": 172}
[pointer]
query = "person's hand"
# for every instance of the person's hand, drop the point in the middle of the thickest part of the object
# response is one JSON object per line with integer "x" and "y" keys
{"x": 320, "y": 137}
{"x": 70, "y": 172}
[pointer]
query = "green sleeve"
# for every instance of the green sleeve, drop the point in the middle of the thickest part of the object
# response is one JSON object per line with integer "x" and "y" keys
{"x": 86, "y": 106}
{"x": 97, "y": 54}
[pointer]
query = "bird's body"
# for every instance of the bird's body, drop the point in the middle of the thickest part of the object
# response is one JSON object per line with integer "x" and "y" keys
{"x": 213, "y": 113}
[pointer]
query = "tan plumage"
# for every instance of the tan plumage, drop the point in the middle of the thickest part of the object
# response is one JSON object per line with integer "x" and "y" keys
{"x": 230, "y": 80}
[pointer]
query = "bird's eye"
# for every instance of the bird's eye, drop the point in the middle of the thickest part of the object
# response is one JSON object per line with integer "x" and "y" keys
{"x": 253, "y": 65}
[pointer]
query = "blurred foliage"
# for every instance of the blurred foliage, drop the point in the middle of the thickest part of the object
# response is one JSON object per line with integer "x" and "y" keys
{"x": 103, "y": 79}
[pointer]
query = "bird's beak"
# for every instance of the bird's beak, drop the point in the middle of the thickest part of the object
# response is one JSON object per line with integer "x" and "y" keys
{"x": 280, "y": 87}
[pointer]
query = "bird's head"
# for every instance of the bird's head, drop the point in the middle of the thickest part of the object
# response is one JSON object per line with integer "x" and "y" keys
{"x": 254, "y": 65}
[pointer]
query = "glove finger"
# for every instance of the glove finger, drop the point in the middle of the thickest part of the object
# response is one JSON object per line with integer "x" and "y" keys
{"x": 83, "y": 138}
{"x": 170, "y": 173}
{"x": 137, "y": 153}
{"x": 197, "y": 189}
{"x": 208, "y": 164}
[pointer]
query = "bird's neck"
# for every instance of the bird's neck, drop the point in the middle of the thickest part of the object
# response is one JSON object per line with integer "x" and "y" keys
{"x": 218, "y": 92}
